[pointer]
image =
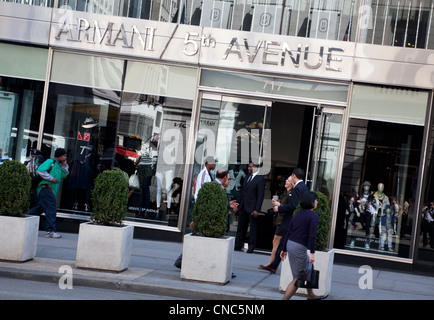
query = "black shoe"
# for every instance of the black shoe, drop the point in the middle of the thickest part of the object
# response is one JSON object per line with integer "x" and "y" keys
{"x": 268, "y": 268}
{"x": 250, "y": 250}
{"x": 237, "y": 249}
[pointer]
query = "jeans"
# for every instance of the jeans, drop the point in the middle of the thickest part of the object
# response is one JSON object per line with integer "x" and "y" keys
{"x": 46, "y": 203}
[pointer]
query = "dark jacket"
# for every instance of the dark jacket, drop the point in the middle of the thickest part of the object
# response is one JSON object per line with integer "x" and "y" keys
{"x": 302, "y": 229}
{"x": 294, "y": 198}
{"x": 252, "y": 194}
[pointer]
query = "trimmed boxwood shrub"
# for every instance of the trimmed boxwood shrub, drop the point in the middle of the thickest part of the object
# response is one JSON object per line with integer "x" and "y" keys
{"x": 109, "y": 198}
{"x": 324, "y": 213}
{"x": 15, "y": 188}
{"x": 210, "y": 211}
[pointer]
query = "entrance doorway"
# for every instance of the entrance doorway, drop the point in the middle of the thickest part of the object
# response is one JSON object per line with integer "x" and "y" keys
{"x": 280, "y": 136}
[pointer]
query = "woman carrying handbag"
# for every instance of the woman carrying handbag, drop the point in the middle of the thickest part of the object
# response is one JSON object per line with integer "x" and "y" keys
{"x": 301, "y": 235}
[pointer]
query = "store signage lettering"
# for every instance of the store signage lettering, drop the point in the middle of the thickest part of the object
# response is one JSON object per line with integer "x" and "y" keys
{"x": 268, "y": 52}
{"x": 274, "y": 53}
{"x": 95, "y": 35}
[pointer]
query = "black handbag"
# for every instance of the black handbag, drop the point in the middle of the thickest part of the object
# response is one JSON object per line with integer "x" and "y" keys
{"x": 308, "y": 278}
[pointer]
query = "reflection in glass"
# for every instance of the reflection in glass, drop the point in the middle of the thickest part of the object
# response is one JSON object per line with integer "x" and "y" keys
{"x": 378, "y": 190}
{"x": 425, "y": 243}
{"x": 20, "y": 105}
{"x": 327, "y": 158}
{"x": 396, "y": 23}
{"x": 84, "y": 122}
{"x": 150, "y": 149}
{"x": 232, "y": 133}
{"x": 403, "y": 23}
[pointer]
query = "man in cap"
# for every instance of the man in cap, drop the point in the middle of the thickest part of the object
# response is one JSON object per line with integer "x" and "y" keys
{"x": 205, "y": 175}
{"x": 52, "y": 172}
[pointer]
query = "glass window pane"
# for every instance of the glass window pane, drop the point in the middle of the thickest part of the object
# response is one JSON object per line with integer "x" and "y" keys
{"x": 158, "y": 79}
{"x": 151, "y": 144}
{"x": 379, "y": 179}
{"x": 396, "y": 22}
{"x": 327, "y": 158}
{"x": 328, "y": 19}
{"x": 425, "y": 243}
{"x": 28, "y": 62}
{"x": 281, "y": 86}
{"x": 84, "y": 122}
{"x": 88, "y": 71}
{"x": 20, "y": 104}
{"x": 389, "y": 104}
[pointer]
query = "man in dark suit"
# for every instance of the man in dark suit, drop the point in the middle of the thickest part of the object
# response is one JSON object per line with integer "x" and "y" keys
{"x": 288, "y": 209}
{"x": 250, "y": 202}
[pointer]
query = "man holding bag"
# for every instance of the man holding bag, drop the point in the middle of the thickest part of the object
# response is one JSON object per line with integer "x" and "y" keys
{"x": 52, "y": 172}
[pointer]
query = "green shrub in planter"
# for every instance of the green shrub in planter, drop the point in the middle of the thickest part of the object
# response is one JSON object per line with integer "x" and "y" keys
{"x": 15, "y": 188}
{"x": 210, "y": 211}
{"x": 324, "y": 213}
{"x": 109, "y": 198}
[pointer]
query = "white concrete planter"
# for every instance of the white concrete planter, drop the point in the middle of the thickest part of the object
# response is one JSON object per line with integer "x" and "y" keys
{"x": 104, "y": 247}
{"x": 207, "y": 259}
{"x": 18, "y": 238}
{"x": 323, "y": 263}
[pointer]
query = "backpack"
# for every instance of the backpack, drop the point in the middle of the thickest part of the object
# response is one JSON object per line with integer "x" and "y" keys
{"x": 32, "y": 167}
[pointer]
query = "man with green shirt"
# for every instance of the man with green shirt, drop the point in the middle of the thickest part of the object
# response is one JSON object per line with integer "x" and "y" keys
{"x": 52, "y": 172}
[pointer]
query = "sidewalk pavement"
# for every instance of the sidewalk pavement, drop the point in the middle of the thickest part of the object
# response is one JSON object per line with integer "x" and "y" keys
{"x": 152, "y": 271}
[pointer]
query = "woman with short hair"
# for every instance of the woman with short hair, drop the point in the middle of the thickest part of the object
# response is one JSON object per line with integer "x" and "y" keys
{"x": 300, "y": 237}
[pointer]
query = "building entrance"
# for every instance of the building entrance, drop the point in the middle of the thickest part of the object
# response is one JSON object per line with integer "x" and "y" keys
{"x": 279, "y": 136}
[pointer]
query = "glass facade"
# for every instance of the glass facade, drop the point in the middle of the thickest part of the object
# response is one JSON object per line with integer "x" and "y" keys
{"x": 22, "y": 75}
{"x": 141, "y": 130}
{"x": 20, "y": 104}
{"x": 424, "y": 217}
{"x": 402, "y": 23}
{"x": 378, "y": 200}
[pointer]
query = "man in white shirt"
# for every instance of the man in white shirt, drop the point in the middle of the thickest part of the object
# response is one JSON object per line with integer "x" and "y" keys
{"x": 205, "y": 175}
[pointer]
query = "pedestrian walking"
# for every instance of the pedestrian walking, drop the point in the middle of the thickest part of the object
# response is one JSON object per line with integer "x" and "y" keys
{"x": 301, "y": 236}
{"x": 288, "y": 209}
{"x": 52, "y": 172}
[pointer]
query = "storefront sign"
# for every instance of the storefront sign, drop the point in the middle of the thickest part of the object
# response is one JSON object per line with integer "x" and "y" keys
{"x": 196, "y": 45}
{"x": 212, "y": 47}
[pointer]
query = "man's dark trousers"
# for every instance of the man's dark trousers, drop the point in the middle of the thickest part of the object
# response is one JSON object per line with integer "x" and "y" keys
{"x": 46, "y": 203}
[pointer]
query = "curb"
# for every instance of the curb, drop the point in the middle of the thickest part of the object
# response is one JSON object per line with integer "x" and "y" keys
{"x": 126, "y": 286}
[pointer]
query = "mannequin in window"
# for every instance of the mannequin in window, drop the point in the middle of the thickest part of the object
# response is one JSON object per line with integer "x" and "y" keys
{"x": 167, "y": 176}
{"x": 380, "y": 204}
{"x": 386, "y": 225}
{"x": 365, "y": 207}
{"x": 81, "y": 179}
{"x": 353, "y": 209}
